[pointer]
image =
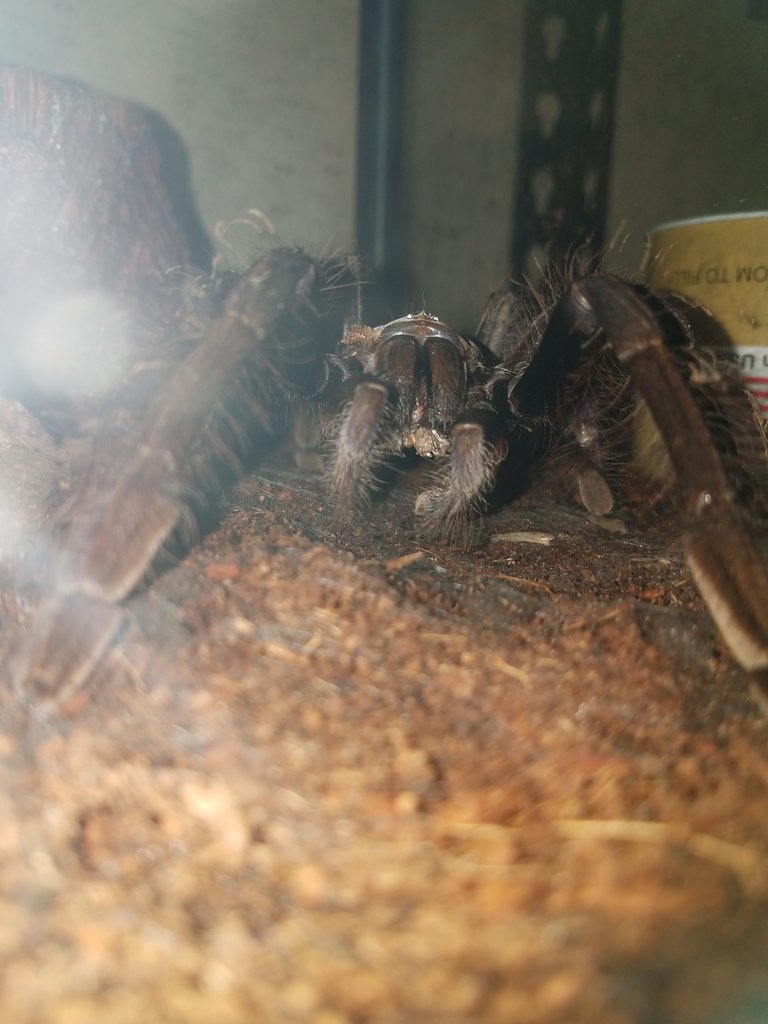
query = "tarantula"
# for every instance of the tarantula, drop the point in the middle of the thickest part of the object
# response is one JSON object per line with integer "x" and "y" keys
{"x": 272, "y": 333}
{"x": 415, "y": 383}
{"x": 213, "y": 361}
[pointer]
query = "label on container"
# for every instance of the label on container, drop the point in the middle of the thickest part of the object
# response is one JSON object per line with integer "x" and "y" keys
{"x": 753, "y": 363}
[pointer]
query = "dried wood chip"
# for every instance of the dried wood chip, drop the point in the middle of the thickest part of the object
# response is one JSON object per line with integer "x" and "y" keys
{"x": 523, "y": 537}
{"x": 395, "y": 564}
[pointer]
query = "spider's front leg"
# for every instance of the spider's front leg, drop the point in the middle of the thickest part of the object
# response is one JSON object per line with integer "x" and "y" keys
{"x": 189, "y": 426}
{"x": 602, "y": 311}
{"x": 415, "y": 384}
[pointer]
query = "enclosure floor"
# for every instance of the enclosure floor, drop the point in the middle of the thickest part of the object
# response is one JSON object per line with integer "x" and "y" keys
{"x": 333, "y": 773}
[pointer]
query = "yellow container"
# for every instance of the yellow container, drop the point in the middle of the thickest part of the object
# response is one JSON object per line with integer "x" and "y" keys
{"x": 722, "y": 264}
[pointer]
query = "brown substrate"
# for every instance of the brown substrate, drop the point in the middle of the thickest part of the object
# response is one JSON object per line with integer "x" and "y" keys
{"x": 333, "y": 773}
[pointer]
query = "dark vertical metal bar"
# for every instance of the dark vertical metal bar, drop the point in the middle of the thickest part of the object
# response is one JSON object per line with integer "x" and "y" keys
{"x": 568, "y": 95}
{"x": 382, "y": 73}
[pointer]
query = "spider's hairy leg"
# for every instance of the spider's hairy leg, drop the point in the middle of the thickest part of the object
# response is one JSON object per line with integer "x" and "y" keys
{"x": 555, "y": 392}
{"x": 725, "y": 565}
{"x": 188, "y": 426}
{"x": 594, "y": 491}
{"x": 478, "y": 444}
{"x": 191, "y": 431}
{"x": 359, "y": 442}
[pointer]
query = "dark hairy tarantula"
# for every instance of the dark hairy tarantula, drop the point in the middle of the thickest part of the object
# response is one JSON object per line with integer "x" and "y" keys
{"x": 483, "y": 410}
{"x": 146, "y": 391}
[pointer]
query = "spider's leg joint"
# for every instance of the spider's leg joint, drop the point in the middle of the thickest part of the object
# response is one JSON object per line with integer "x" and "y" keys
{"x": 604, "y": 303}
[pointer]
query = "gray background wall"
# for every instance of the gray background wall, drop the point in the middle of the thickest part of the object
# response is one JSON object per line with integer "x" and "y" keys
{"x": 692, "y": 127}
{"x": 263, "y": 94}
{"x": 691, "y": 134}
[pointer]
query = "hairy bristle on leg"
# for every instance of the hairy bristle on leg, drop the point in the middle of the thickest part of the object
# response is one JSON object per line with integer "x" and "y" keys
{"x": 476, "y": 452}
{"x": 358, "y": 443}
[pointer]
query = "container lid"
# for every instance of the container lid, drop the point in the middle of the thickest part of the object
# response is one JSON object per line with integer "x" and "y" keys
{"x": 714, "y": 218}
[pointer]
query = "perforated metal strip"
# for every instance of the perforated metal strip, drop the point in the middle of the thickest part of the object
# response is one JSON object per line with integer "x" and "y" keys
{"x": 569, "y": 86}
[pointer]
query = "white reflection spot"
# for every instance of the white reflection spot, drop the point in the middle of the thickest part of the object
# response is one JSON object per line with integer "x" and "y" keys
{"x": 77, "y": 346}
